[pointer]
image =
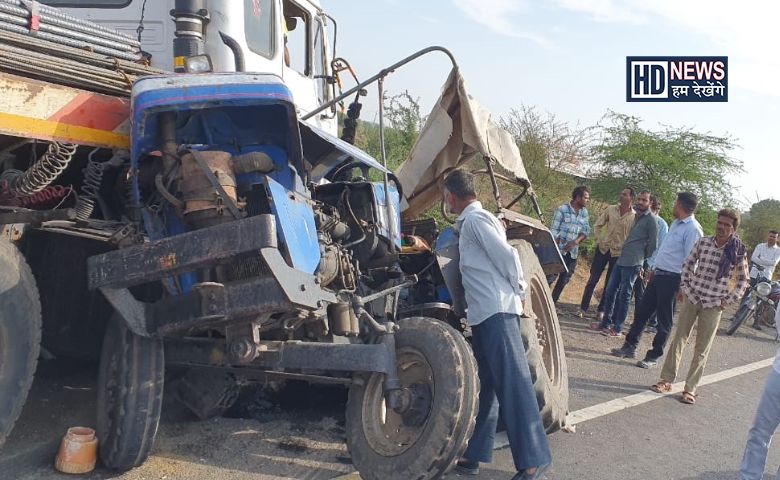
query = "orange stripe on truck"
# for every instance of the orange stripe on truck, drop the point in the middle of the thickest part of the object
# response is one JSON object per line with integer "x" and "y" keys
{"x": 26, "y": 127}
{"x": 94, "y": 111}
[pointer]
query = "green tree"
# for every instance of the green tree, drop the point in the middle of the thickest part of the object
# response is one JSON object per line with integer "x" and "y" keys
{"x": 762, "y": 217}
{"x": 553, "y": 152}
{"x": 665, "y": 162}
{"x": 403, "y": 122}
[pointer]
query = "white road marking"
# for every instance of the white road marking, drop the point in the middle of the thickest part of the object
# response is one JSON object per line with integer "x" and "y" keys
{"x": 618, "y": 404}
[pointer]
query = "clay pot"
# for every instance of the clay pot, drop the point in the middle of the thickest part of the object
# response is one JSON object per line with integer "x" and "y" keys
{"x": 78, "y": 451}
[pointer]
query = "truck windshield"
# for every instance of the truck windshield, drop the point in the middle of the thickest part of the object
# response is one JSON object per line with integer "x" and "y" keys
{"x": 88, "y": 3}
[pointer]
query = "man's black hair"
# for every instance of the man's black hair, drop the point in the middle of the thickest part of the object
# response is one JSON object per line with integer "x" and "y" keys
{"x": 461, "y": 184}
{"x": 579, "y": 191}
{"x": 688, "y": 201}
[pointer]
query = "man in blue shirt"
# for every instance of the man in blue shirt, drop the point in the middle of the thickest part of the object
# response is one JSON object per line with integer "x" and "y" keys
{"x": 665, "y": 282}
{"x": 494, "y": 288}
{"x": 570, "y": 226}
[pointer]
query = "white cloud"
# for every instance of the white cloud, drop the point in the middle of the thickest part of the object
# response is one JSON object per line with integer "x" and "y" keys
{"x": 745, "y": 32}
{"x": 498, "y": 15}
{"x": 604, "y": 10}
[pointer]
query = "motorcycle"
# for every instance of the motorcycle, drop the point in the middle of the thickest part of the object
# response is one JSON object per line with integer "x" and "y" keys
{"x": 760, "y": 303}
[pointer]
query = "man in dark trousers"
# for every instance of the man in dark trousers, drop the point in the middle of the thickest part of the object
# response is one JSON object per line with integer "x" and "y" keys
{"x": 639, "y": 245}
{"x": 665, "y": 282}
{"x": 494, "y": 289}
{"x": 570, "y": 227}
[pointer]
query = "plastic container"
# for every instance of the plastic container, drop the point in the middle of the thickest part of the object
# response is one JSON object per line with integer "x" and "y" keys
{"x": 78, "y": 451}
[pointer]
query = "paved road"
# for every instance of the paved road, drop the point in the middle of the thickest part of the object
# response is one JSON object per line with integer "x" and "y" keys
{"x": 661, "y": 439}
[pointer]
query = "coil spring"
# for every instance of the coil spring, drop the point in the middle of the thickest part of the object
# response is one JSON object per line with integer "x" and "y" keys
{"x": 46, "y": 169}
{"x": 93, "y": 179}
{"x": 48, "y": 197}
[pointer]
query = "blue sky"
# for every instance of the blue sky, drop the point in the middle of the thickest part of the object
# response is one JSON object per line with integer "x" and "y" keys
{"x": 567, "y": 57}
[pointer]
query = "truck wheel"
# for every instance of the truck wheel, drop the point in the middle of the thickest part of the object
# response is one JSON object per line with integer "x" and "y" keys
{"x": 130, "y": 389}
{"x": 543, "y": 342}
{"x": 20, "y": 334}
{"x": 437, "y": 368}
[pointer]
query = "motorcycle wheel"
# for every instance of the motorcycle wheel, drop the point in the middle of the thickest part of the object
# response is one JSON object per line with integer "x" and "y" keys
{"x": 742, "y": 314}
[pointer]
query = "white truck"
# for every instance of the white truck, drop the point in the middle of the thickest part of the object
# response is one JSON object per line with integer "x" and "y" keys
{"x": 215, "y": 219}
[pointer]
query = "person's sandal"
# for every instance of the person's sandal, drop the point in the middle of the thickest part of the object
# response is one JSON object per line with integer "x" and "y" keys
{"x": 662, "y": 387}
{"x": 688, "y": 398}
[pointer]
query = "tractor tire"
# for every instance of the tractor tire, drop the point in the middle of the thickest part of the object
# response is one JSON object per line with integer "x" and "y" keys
{"x": 436, "y": 364}
{"x": 20, "y": 334}
{"x": 543, "y": 342}
{"x": 129, "y": 391}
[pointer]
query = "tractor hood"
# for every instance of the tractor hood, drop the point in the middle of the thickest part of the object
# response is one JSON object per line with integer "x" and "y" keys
{"x": 324, "y": 152}
{"x": 456, "y": 130}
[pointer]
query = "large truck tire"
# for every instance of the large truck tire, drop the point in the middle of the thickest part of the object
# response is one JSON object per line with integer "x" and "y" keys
{"x": 20, "y": 334}
{"x": 436, "y": 365}
{"x": 130, "y": 389}
{"x": 543, "y": 342}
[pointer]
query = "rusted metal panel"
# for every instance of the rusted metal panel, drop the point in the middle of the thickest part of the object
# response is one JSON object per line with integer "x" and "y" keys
{"x": 45, "y": 111}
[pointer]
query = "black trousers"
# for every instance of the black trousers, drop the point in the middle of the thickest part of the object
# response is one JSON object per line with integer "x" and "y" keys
{"x": 600, "y": 262}
{"x": 639, "y": 291}
{"x": 564, "y": 277}
{"x": 659, "y": 298}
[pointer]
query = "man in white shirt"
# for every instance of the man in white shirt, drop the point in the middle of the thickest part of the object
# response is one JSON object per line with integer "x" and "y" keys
{"x": 767, "y": 255}
{"x": 494, "y": 288}
{"x": 765, "y": 423}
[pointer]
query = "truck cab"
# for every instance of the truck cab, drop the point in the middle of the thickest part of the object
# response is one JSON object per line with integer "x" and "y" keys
{"x": 286, "y": 38}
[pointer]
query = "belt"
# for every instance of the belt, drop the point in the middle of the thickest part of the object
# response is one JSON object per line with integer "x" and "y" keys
{"x": 662, "y": 273}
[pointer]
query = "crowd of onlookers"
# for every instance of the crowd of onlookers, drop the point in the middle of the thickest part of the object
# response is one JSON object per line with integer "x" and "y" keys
{"x": 666, "y": 268}
{"x": 663, "y": 267}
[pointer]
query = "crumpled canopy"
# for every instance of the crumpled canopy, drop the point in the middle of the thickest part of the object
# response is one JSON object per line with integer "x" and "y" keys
{"x": 456, "y": 130}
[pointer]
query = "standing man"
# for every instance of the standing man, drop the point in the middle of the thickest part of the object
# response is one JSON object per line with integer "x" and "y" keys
{"x": 639, "y": 245}
{"x": 765, "y": 423}
{"x": 610, "y": 230}
{"x": 664, "y": 281}
{"x": 641, "y": 285}
{"x": 494, "y": 289}
{"x": 705, "y": 283}
{"x": 570, "y": 226}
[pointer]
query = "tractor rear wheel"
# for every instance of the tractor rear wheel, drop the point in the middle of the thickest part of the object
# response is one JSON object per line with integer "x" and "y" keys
{"x": 543, "y": 342}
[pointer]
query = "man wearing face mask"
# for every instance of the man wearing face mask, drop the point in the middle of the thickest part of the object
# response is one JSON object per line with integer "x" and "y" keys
{"x": 639, "y": 245}
{"x": 494, "y": 288}
{"x": 713, "y": 277}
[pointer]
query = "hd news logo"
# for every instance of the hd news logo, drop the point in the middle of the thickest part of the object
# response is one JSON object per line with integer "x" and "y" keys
{"x": 677, "y": 79}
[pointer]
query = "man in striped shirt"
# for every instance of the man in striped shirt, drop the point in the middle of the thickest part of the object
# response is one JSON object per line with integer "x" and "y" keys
{"x": 713, "y": 277}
